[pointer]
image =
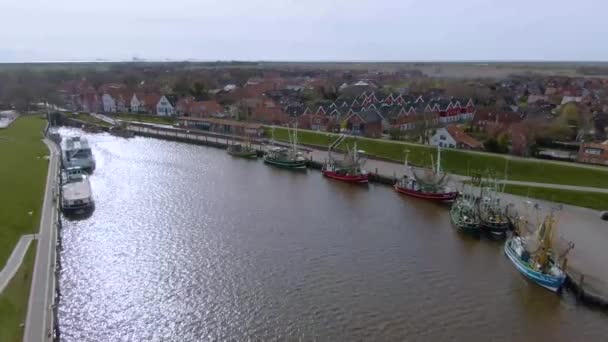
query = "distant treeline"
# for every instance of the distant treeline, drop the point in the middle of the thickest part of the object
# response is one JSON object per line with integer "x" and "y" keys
{"x": 592, "y": 70}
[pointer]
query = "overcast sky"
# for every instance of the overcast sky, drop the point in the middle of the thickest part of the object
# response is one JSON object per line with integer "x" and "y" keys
{"x": 397, "y": 30}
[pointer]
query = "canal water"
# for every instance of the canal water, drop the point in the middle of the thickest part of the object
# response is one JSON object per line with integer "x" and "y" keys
{"x": 189, "y": 244}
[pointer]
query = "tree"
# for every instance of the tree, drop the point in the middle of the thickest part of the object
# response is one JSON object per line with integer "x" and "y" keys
{"x": 181, "y": 86}
{"x": 600, "y": 122}
{"x": 497, "y": 145}
{"x": 199, "y": 91}
{"x": 394, "y": 133}
{"x": 327, "y": 92}
{"x": 570, "y": 115}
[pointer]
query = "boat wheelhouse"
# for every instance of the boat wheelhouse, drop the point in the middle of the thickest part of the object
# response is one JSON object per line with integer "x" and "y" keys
{"x": 75, "y": 152}
{"x": 76, "y": 194}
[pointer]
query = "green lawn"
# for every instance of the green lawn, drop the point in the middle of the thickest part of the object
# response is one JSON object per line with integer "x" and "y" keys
{"x": 146, "y": 118}
{"x": 14, "y": 299}
{"x": 463, "y": 162}
{"x": 23, "y": 169}
{"x": 593, "y": 200}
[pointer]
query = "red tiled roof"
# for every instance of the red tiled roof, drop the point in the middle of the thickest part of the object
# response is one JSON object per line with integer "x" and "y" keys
{"x": 462, "y": 138}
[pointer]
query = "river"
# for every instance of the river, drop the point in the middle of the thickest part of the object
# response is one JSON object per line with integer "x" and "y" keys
{"x": 189, "y": 244}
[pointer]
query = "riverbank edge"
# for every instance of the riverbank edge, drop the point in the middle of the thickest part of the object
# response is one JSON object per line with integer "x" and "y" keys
{"x": 43, "y": 296}
{"x": 582, "y": 293}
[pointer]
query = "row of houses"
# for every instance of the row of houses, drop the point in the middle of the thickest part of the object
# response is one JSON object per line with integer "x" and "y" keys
{"x": 372, "y": 118}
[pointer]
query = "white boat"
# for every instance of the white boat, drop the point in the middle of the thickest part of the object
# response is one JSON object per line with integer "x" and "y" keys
{"x": 76, "y": 191}
{"x": 75, "y": 152}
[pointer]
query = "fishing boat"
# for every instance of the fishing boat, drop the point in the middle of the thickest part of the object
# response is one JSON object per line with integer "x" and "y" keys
{"x": 349, "y": 169}
{"x": 238, "y": 150}
{"x": 283, "y": 157}
{"x": 75, "y": 152}
{"x": 494, "y": 220}
{"x": 76, "y": 191}
{"x": 431, "y": 187}
{"x": 464, "y": 216}
{"x": 536, "y": 258}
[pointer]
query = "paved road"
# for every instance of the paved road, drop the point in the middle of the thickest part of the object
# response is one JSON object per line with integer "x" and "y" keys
{"x": 38, "y": 324}
{"x": 104, "y": 118}
{"x": 14, "y": 261}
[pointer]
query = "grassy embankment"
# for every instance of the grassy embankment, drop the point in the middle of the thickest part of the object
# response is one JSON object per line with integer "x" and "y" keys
{"x": 23, "y": 170}
{"x": 593, "y": 200}
{"x": 14, "y": 299}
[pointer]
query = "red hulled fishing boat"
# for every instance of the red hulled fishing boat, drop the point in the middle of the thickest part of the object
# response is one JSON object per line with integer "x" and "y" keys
{"x": 430, "y": 186}
{"x": 350, "y": 169}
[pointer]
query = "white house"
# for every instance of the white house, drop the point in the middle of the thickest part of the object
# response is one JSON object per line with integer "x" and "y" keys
{"x": 135, "y": 104}
{"x": 165, "y": 106}
{"x": 454, "y": 137}
{"x": 108, "y": 103}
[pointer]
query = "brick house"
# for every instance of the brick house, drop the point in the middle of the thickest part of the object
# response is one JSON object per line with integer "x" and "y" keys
{"x": 367, "y": 123}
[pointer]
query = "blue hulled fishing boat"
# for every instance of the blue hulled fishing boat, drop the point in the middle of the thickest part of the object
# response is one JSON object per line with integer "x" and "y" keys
{"x": 536, "y": 259}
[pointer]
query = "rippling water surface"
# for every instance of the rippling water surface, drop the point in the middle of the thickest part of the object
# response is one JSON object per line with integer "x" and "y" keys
{"x": 189, "y": 244}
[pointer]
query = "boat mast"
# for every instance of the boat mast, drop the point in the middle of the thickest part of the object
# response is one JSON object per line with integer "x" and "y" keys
{"x": 438, "y": 160}
{"x": 405, "y": 163}
{"x": 295, "y": 137}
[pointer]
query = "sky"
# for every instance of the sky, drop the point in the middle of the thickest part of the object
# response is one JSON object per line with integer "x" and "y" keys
{"x": 304, "y": 30}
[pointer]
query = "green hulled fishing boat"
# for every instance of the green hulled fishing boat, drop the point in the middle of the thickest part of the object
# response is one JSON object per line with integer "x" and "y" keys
{"x": 287, "y": 158}
{"x": 242, "y": 151}
{"x": 464, "y": 216}
{"x": 492, "y": 215}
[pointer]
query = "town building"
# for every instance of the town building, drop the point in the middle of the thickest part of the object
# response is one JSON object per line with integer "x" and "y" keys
{"x": 166, "y": 106}
{"x": 454, "y": 137}
{"x": 593, "y": 153}
{"x": 223, "y": 126}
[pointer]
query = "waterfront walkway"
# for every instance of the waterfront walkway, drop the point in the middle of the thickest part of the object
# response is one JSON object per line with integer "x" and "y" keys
{"x": 38, "y": 324}
{"x": 15, "y": 260}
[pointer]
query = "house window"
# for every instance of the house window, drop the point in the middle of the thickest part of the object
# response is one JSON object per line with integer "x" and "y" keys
{"x": 442, "y": 137}
{"x": 452, "y": 145}
{"x": 594, "y": 151}
{"x": 440, "y": 144}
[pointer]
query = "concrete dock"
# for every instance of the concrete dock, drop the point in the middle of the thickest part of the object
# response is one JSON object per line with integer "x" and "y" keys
{"x": 39, "y": 320}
